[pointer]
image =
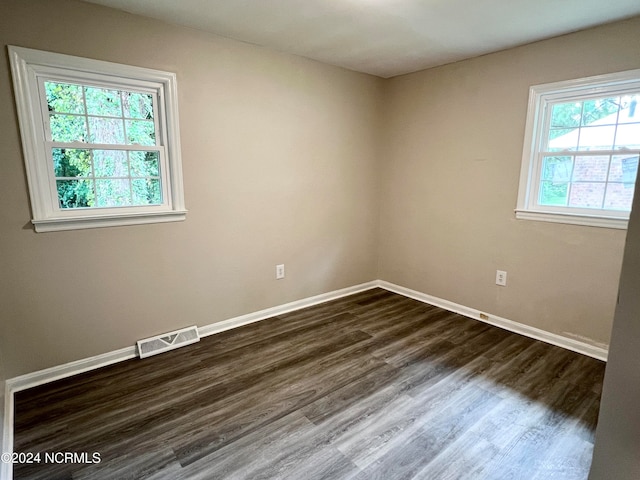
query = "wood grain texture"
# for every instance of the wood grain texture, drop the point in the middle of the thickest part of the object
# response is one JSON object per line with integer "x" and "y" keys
{"x": 370, "y": 386}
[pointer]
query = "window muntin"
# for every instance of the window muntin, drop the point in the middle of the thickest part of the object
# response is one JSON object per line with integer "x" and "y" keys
{"x": 582, "y": 149}
{"x": 100, "y": 141}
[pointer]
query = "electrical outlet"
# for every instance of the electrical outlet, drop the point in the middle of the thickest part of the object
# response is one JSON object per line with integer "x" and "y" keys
{"x": 501, "y": 278}
{"x": 280, "y": 271}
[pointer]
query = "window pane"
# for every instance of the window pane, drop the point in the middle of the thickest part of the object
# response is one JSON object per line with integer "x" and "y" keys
{"x": 110, "y": 163}
{"x": 144, "y": 164}
{"x": 562, "y": 139}
{"x": 137, "y": 105}
{"x": 64, "y": 98}
{"x": 628, "y": 136}
{"x": 113, "y": 193}
{"x": 554, "y": 193}
{"x": 141, "y": 132}
{"x": 557, "y": 169}
{"x": 629, "y": 109}
{"x": 591, "y": 169}
{"x": 103, "y": 102}
{"x": 146, "y": 191}
{"x": 71, "y": 162}
{"x": 75, "y": 193}
{"x": 68, "y": 128}
{"x": 106, "y": 130}
{"x": 586, "y": 195}
{"x": 601, "y": 110}
{"x": 619, "y": 196}
{"x": 597, "y": 138}
{"x": 624, "y": 168}
{"x": 566, "y": 115}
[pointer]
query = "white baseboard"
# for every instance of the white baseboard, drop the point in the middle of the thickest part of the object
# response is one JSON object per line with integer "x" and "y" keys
{"x": 41, "y": 377}
{"x": 48, "y": 375}
{"x": 282, "y": 309}
{"x": 526, "y": 330}
{"x": 6, "y": 430}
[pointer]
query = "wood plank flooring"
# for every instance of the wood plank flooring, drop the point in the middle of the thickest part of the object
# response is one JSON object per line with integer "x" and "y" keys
{"x": 370, "y": 386}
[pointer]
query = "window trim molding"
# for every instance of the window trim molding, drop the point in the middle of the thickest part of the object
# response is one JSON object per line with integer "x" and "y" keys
{"x": 539, "y": 97}
{"x": 588, "y": 220}
{"x": 26, "y": 66}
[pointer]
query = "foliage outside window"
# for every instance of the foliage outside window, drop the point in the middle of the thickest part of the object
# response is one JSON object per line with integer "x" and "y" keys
{"x": 581, "y": 152}
{"x": 100, "y": 141}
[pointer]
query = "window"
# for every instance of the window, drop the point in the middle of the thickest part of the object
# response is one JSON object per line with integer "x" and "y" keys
{"x": 100, "y": 141}
{"x": 581, "y": 151}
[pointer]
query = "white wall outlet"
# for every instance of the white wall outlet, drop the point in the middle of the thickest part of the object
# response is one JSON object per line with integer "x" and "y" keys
{"x": 501, "y": 278}
{"x": 280, "y": 271}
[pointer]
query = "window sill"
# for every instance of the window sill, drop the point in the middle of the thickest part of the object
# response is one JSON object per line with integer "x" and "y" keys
{"x": 100, "y": 221}
{"x": 572, "y": 219}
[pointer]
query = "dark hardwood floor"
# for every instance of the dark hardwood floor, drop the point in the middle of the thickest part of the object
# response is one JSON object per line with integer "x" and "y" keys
{"x": 371, "y": 386}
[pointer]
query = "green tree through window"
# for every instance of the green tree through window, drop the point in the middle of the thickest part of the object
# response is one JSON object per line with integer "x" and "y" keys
{"x": 100, "y": 177}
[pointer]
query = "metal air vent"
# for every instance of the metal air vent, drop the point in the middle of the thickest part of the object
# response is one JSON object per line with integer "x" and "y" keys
{"x": 167, "y": 341}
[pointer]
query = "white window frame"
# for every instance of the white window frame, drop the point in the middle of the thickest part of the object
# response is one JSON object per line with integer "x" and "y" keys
{"x": 541, "y": 97}
{"x": 28, "y": 68}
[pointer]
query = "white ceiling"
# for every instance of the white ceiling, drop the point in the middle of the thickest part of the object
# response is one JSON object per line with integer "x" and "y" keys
{"x": 384, "y": 37}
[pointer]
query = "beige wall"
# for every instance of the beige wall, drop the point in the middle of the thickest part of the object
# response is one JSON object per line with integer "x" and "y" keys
{"x": 451, "y": 169}
{"x": 279, "y": 162}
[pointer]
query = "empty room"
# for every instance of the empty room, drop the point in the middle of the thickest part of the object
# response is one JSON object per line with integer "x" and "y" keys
{"x": 346, "y": 239}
